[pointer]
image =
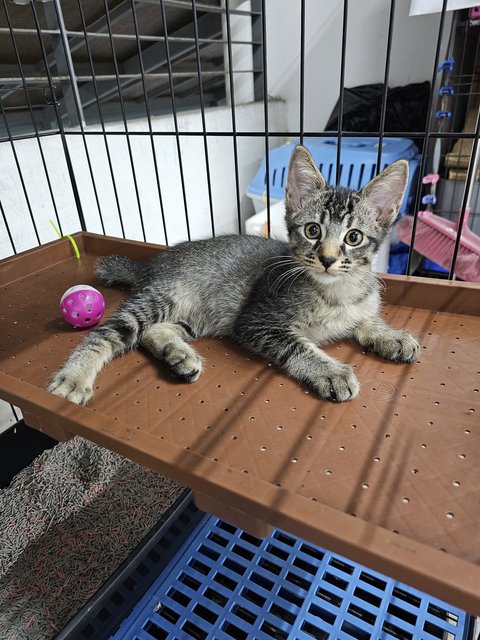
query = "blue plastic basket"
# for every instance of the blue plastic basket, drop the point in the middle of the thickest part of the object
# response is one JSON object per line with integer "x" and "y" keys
{"x": 357, "y": 168}
{"x": 225, "y": 584}
{"x": 430, "y": 265}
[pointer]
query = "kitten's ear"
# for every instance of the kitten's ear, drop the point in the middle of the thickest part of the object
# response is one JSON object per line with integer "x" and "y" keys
{"x": 385, "y": 192}
{"x": 304, "y": 179}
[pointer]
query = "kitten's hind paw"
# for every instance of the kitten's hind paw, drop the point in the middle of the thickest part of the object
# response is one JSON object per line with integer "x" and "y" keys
{"x": 167, "y": 342}
{"x": 73, "y": 388}
{"x": 337, "y": 382}
{"x": 183, "y": 361}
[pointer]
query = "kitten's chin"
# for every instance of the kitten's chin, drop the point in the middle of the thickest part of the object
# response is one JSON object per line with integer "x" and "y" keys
{"x": 324, "y": 277}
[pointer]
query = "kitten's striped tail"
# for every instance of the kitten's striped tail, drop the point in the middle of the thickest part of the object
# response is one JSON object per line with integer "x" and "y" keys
{"x": 113, "y": 270}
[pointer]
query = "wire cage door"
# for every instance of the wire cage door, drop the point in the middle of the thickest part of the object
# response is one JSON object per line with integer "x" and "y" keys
{"x": 150, "y": 122}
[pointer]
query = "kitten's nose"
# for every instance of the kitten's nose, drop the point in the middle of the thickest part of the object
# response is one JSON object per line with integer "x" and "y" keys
{"x": 327, "y": 261}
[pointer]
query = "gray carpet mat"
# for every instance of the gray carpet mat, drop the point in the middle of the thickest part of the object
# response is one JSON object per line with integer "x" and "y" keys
{"x": 66, "y": 522}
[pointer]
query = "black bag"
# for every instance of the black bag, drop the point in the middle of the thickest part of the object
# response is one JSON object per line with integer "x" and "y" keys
{"x": 406, "y": 108}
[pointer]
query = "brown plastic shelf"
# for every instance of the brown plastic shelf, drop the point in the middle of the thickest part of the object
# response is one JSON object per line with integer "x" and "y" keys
{"x": 391, "y": 479}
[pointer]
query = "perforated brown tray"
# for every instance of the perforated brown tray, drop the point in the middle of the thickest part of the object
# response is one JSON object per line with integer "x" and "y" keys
{"x": 391, "y": 479}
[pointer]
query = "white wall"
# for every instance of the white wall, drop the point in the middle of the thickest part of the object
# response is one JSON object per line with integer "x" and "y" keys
{"x": 250, "y": 152}
{"x": 412, "y": 56}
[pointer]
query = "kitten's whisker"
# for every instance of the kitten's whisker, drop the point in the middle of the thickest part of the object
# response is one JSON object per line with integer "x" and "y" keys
{"x": 273, "y": 267}
{"x": 280, "y": 262}
{"x": 376, "y": 275}
{"x": 283, "y": 278}
{"x": 381, "y": 281}
{"x": 278, "y": 282}
{"x": 276, "y": 259}
{"x": 292, "y": 275}
{"x": 295, "y": 278}
{"x": 294, "y": 270}
{"x": 277, "y": 256}
{"x": 356, "y": 277}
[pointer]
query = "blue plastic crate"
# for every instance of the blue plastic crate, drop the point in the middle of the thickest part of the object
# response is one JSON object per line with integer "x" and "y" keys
{"x": 430, "y": 265}
{"x": 357, "y": 168}
{"x": 225, "y": 584}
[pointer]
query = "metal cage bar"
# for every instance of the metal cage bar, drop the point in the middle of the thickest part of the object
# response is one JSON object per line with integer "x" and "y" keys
{"x": 149, "y": 121}
{"x": 383, "y": 112}
{"x": 427, "y": 133}
{"x": 102, "y": 122}
{"x": 175, "y": 119}
{"x": 202, "y": 111}
{"x": 68, "y": 161}
{"x": 468, "y": 187}
{"x": 302, "y": 71}
{"x": 415, "y": 135}
{"x": 73, "y": 82}
{"x": 124, "y": 119}
{"x": 232, "y": 104}
{"x": 7, "y": 228}
{"x": 341, "y": 92}
{"x": 17, "y": 164}
{"x": 34, "y": 123}
{"x": 265, "y": 114}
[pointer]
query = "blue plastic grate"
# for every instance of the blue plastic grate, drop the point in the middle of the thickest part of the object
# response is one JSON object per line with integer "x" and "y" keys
{"x": 226, "y": 584}
{"x": 357, "y": 167}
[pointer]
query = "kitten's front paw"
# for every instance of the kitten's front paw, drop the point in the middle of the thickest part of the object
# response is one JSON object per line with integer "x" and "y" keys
{"x": 337, "y": 382}
{"x": 399, "y": 347}
{"x": 73, "y": 387}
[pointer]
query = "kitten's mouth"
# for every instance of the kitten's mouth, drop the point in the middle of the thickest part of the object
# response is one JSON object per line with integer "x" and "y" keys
{"x": 321, "y": 270}
{"x": 328, "y": 271}
{"x": 324, "y": 276}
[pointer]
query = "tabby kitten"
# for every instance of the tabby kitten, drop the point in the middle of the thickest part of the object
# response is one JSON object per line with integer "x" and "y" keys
{"x": 280, "y": 300}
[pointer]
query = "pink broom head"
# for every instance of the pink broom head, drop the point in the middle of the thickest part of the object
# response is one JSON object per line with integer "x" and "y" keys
{"x": 435, "y": 238}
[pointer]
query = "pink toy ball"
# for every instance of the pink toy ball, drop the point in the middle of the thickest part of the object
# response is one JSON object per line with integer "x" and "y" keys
{"x": 82, "y": 306}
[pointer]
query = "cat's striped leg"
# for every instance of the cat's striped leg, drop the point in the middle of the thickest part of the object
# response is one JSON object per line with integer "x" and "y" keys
{"x": 167, "y": 342}
{"x": 392, "y": 344}
{"x": 327, "y": 377}
{"x": 302, "y": 359}
{"x": 120, "y": 333}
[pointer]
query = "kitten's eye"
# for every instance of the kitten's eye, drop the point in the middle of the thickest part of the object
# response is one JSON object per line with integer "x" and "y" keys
{"x": 354, "y": 237}
{"x": 312, "y": 230}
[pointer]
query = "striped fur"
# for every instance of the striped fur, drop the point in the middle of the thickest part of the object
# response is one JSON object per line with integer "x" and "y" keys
{"x": 280, "y": 300}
